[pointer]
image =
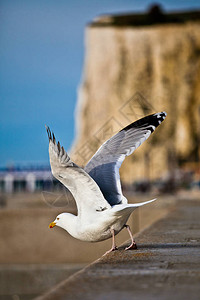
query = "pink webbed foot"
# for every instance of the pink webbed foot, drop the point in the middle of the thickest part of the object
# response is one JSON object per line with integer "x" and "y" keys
{"x": 112, "y": 249}
{"x": 132, "y": 246}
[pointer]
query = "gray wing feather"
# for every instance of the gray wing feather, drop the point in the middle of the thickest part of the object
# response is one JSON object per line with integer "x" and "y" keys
{"x": 104, "y": 166}
{"x": 86, "y": 192}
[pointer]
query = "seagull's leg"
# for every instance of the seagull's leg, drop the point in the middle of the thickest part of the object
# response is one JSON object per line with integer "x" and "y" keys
{"x": 133, "y": 243}
{"x": 114, "y": 247}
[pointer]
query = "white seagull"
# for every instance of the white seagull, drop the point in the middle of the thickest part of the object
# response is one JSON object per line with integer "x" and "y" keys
{"x": 102, "y": 208}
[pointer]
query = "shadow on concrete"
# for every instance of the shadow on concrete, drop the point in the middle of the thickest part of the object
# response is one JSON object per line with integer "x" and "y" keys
{"x": 167, "y": 246}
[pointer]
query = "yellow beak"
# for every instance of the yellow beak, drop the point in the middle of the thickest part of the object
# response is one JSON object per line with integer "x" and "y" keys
{"x": 52, "y": 224}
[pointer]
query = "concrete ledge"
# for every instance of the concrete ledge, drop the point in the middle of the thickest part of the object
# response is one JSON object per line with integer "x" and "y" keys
{"x": 166, "y": 264}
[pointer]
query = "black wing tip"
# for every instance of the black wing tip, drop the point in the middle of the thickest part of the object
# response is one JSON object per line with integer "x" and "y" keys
{"x": 48, "y": 132}
{"x": 59, "y": 148}
{"x": 164, "y": 112}
{"x": 149, "y": 122}
{"x": 62, "y": 150}
{"x": 51, "y": 135}
{"x": 161, "y": 114}
{"x": 52, "y": 138}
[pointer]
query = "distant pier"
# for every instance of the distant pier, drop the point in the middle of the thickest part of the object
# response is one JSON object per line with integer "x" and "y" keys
{"x": 27, "y": 180}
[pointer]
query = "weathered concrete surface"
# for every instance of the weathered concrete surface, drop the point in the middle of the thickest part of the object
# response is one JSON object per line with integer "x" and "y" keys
{"x": 165, "y": 266}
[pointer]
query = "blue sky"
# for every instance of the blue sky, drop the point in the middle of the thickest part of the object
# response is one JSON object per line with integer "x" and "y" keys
{"x": 41, "y": 60}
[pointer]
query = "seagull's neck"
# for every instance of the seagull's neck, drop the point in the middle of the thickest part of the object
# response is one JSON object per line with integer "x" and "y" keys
{"x": 69, "y": 223}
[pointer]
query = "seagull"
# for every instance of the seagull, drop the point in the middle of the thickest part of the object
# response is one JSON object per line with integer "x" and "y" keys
{"x": 102, "y": 209}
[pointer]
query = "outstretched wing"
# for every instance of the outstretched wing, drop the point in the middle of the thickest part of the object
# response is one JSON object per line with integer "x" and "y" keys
{"x": 104, "y": 166}
{"x": 86, "y": 192}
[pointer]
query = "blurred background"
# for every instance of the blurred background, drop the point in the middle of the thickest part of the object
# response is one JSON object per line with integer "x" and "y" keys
{"x": 87, "y": 69}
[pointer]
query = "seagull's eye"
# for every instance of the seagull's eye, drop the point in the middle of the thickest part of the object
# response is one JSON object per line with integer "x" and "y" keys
{"x": 58, "y": 218}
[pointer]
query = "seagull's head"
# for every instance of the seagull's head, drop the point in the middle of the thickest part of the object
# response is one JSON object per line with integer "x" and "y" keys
{"x": 58, "y": 221}
{"x": 66, "y": 221}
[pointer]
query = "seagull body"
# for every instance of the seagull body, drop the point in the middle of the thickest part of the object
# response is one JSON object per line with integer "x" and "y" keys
{"x": 102, "y": 208}
{"x": 96, "y": 229}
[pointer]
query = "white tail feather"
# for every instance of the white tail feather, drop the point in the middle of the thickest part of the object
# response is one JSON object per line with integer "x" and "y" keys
{"x": 121, "y": 209}
{"x": 142, "y": 203}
